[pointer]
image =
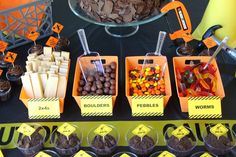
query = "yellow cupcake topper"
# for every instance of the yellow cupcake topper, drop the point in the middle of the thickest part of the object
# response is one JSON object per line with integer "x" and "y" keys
{"x": 25, "y": 129}
{"x": 125, "y": 155}
{"x": 166, "y": 154}
{"x": 82, "y": 153}
{"x": 103, "y": 130}
{"x": 219, "y": 130}
{"x": 180, "y": 132}
{"x": 66, "y": 129}
{"x": 141, "y": 130}
{"x": 206, "y": 155}
{"x": 42, "y": 154}
{"x": 1, "y": 154}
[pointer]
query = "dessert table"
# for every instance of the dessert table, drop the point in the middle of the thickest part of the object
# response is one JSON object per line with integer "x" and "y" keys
{"x": 13, "y": 112}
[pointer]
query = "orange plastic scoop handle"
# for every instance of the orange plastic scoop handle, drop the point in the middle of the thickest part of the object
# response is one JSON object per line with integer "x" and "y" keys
{"x": 183, "y": 18}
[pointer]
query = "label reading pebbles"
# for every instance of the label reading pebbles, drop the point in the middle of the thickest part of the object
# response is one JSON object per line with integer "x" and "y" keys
{"x": 66, "y": 129}
{"x": 166, "y": 154}
{"x": 219, "y": 130}
{"x": 26, "y": 130}
{"x": 180, "y": 132}
{"x": 103, "y": 130}
{"x": 141, "y": 130}
{"x": 42, "y": 154}
{"x": 82, "y": 153}
{"x": 206, "y": 155}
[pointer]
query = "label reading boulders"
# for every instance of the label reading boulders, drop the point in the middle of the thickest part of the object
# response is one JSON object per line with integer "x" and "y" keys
{"x": 82, "y": 153}
{"x": 147, "y": 105}
{"x": 180, "y": 132}
{"x": 96, "y": 105}
{"x": 125, "y": 155}
{"x": 66, "y": 129}
{"x": 219, "y": 130}
{"x": 141, "y": 130}
{"x": 42, "y": 154}
{"x": 26, "y": 130}
{"x": 166, "y": 154}
{"x": 206, "y": 155}
{"x": 204, "y": 107}
{"x": 103, "y": 130}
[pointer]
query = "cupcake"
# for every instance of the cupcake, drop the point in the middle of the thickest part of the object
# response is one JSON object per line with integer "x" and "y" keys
{"x": 222, "y": 144}
{"x": 180, "y": 141}
{"x": 67, "y": 145}
{"x": 5, "y": 90}
{"x": 184, "y": 50}
{"x": 62, "y": 44}
{"x": 29, "y": 146}
{"x": 14, "y": 74}
{"x": 38, "y": 49}
{"x": 144, "y": 142}
{"x": 103, "y": 144}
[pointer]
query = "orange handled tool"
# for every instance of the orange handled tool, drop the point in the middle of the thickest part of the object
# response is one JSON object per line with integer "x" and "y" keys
{"x": 183, "y": 18}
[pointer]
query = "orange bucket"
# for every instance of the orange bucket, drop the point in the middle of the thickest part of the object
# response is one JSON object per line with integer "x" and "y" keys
{"x": 89, "y": 60}
{"x": 24, "y": 98}
{"x": 181, "y": 62}
{"x": 132, "y": 62}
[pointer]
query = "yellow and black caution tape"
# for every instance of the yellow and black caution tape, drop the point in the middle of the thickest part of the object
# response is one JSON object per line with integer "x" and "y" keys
{"x": 148, "y": 97}
{"x": 96, "y": 97}
{"x": 142, "y": 114}
{"x": 45, "y": 117}
{"x": 204, "y": 98}
{"x": 96, "y": 114}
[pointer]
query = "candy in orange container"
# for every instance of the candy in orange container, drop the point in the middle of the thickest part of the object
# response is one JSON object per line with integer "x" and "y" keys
{"x": 194, "y": 80}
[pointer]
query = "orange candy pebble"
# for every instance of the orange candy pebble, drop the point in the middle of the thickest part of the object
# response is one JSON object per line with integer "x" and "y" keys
{"x": 158, "y": 92}
{"x": 153, "y": 92}
{"x": 144, "y": 89}
{"x": 162, "y": 86}
{"x": 151, "y": 82}
{"x": 157, "y": 71}
{"x": 135, "y": 90}
{"x": 162, "y": 90}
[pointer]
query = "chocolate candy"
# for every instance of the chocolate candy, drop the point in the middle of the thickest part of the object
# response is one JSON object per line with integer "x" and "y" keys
{"x": 104, "y": 145}
{"x": 120, "y": 11}
{"x": 180, "y": 147}
{"x": 146, "y": 82}
{"x": 141, "y": 146}
{"x": 99, "y": 83}
{"x": 218, "y": 146}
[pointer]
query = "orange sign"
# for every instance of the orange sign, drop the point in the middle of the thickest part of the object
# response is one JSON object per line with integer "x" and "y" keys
{"x": 187, "y": 37}
{"x": 209, "y": 42}
{"x": 3, "y": 46}
{"x": 1, "y": 71}
{"x": 57, "y": 27}
{"x": 33, "y": 35}
{"x": 52, "y": 41}
{"x": 10, "y": 57}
